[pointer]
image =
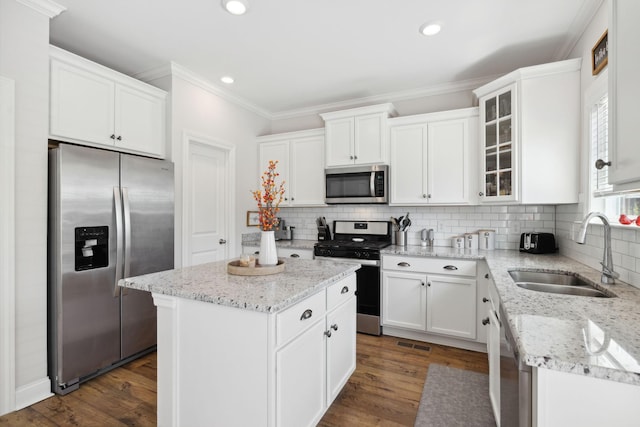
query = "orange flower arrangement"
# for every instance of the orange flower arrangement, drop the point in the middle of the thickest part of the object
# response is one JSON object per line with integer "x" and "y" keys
{"x": 269, "y": 201}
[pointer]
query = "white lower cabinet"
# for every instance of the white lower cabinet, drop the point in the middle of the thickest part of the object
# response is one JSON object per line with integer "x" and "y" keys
{"x": 404, "y": 297}
{"x": 232, "y": 367}
{"x": 300, "y": 379}
{"x": 431, "y": 299}
{"x": 493, "y": 352}
{"x": 451, "y": 306}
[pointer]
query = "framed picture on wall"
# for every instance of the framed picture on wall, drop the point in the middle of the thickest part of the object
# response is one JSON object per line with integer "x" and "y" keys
{"x": 600, "y": 54}
{"x": 253, "y": 218}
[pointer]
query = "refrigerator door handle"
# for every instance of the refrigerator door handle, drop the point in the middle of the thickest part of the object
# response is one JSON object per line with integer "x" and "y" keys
{"x": 117, "y": 200}
{"x": 127, "y": 234}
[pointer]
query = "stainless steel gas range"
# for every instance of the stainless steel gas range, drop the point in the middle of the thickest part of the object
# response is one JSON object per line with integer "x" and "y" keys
{"x": 360, "y": 241}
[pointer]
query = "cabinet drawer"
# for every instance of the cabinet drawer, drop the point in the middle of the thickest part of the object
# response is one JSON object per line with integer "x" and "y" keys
{"x": 442, "y": 266}
{"x": 296, "y": 319}
{"x": 340, "y": 291}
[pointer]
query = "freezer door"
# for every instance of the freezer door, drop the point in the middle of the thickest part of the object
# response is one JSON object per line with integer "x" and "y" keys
{"x": 148, "y": 206}
{"x": 84, "y": 314}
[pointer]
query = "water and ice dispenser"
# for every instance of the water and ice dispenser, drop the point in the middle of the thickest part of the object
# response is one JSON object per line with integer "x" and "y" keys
{"x": 92, "y": 247}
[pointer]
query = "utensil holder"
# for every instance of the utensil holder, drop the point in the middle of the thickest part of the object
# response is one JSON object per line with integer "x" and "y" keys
{"x": 401, "y": 238}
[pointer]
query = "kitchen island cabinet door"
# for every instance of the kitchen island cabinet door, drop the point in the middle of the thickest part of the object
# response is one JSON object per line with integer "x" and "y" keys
{"x": 404, "y": 300}
{"x": 300, "y": 379}
{"x": 624, "y": 92}
{"x": 341, "y": 347}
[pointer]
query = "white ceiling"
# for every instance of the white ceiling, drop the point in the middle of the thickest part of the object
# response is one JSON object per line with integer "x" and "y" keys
{"x": 293, "y": 55}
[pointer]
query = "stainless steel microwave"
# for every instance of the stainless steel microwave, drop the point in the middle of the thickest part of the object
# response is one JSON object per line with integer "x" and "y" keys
{"x": 357, "y": 184}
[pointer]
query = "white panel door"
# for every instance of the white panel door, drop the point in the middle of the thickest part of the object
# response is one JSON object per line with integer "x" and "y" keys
{"x": 307, "y": 171}
{"x": 207, "y": 204}
{"x": 139, "y": 121}
{"x": 404, "y": 300}
{"x": 7, "y": 248}
{"x": 451, "y": 306}
{"x": 408, "y": 160}
{"x": 447, "y": 162}
{"x": 339, "y": 142}
{"x": 369, "y": 139}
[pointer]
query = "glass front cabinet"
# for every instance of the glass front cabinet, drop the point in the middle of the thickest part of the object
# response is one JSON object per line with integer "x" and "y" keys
{"x": 499, "y": 144}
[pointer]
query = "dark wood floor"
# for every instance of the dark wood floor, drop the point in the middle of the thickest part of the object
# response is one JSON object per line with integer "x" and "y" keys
{"x": 384, "y": 390}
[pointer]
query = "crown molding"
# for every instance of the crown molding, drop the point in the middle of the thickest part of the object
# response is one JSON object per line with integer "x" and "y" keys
{"x": 48, "y": 8}
{"x": 441, "y": 89}
{"x": 176, "y": 70}
{"x": 580, "y": 23}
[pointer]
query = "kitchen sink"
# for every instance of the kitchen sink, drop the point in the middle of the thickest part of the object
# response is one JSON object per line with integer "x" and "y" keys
{"x": 557, "y": 282}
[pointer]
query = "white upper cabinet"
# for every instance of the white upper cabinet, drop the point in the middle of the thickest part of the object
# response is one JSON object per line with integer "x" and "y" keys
{"x": 530, "y": 135}
{"x": 93, "y": 105}
{"x": 624, "y": 93}
{"x": 357, "y": 136}
{"x": 433, "y": 158}
{"x": 300, "y": 157}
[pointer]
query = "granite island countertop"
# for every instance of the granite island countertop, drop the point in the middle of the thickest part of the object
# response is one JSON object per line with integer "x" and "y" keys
{"x": 269, "y": 294}
{"x": 551, "y": 329}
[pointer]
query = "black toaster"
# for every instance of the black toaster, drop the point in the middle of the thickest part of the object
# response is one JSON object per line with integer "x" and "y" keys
{"x": 537, "y": 243}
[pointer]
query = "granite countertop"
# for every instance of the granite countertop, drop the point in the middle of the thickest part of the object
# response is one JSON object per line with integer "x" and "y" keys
{"x": 253, "y": 240}
{"x": 269, "y": 294}
{"x": 551, "y": 330}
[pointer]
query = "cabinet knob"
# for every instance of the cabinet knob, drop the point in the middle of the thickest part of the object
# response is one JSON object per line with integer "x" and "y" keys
{"x": 292, "y": 199}
{"x": 119, "y": 138}
{"x": 294, "y": 256}
{"x": 450, "y": 267}
{"x": 422, "y": 283}
{"x": 424, "y": 196}
{"x": 485, "y": 321}
{"x": 428, "y": 284}
{"x": 222, "y": 241}
{"x": 334, "y": 327}
{"x": 350, "y": 157}
{"x": 345, "y": 290}
{"x": 306, "y": 314}
{"x": 355, "y": 157}
{"x": 601, "y": 163}
{"x": 328, "y": 333}
{"x": 481, "y": 194}
{"x": 485, "y": 299}
{"x": 404, "y": 264}
{"x": 112, "y": 136}
{"x": 486, "y": 276}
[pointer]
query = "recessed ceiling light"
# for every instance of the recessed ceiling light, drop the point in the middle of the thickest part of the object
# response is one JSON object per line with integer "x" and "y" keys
{"x": 430, "y": 28}
{"x": 227, "y": 79}
{"x": 235, "y": 7}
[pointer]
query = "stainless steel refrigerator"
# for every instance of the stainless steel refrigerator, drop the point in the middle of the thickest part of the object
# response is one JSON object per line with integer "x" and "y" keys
{"x": 110, "y": 216}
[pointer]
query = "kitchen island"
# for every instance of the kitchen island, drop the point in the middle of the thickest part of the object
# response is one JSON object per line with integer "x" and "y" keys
{"x": 270, "y": 350}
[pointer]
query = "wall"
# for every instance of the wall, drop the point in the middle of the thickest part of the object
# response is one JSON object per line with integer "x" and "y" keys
{"x": 447, "y": 222}
{"x": 625, "y": 240}
{"x": 425, "y": 104}
{"x": 196, "y": 110}
{"x": 24, "y": 57}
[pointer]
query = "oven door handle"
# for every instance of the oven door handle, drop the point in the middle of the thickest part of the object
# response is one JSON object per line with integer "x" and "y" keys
{"x": 371, "y": 262}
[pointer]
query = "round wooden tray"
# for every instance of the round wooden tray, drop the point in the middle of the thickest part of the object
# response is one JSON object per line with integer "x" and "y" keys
{"x": 235, "y": 268}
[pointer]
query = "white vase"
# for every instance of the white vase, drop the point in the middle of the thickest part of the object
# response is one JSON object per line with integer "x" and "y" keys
{"x": 268, "y": 252}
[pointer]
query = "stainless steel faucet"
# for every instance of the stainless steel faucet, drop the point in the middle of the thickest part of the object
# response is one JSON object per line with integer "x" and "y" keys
{"x": 608, "y": 275}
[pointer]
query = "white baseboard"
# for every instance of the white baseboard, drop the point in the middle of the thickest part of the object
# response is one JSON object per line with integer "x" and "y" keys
{"x": 32, "y": 393}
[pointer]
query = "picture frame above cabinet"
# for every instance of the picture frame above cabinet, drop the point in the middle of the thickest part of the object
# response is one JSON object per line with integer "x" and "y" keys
{"x": 300, "y": 157}
{"x": 357, "y": 136}
{"x": 96, "y": 106}
{"x": 529, "y": 136}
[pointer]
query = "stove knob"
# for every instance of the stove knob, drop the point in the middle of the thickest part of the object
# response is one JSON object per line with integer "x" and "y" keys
{"x": 357, "y": 254}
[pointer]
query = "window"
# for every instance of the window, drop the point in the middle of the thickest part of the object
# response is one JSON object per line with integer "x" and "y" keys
{"x": 603, "y": 197}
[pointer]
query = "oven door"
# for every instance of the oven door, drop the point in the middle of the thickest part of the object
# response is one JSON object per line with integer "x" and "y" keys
{"x": 368, "y": 300}
{"x": 367, "y": 294}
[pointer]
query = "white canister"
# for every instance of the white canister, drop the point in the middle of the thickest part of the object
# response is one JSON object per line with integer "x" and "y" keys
{"x": 471, "y": 241}
{"x": 487, "y": 239}
{"x": 457, "y": 242}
